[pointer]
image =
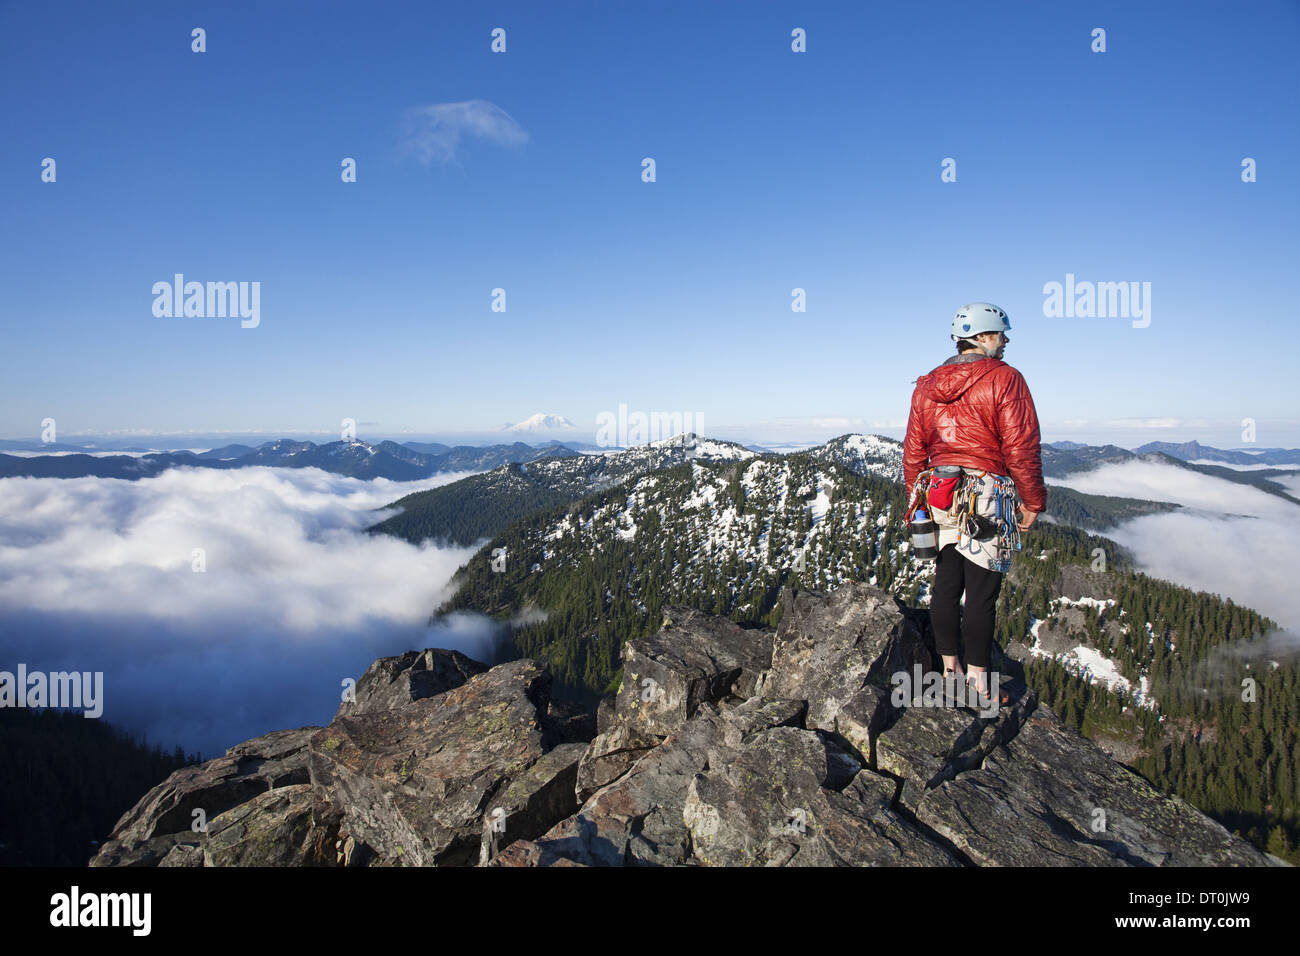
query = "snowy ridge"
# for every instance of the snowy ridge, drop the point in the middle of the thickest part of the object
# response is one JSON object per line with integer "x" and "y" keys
{"x": 696, "y": 447}
{"x": 863, "y": 454}
{"x": 756, "y": 519}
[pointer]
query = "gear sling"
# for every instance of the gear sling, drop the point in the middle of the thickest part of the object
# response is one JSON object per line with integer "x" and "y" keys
{"x": 950, "y": 488}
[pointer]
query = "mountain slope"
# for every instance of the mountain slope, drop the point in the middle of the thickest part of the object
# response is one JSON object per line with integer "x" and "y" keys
{"x": 483, "y": 505}
{"x": 722, "y": 536}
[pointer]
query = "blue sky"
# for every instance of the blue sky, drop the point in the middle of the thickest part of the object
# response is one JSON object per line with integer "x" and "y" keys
{"x": 775, "y": 170}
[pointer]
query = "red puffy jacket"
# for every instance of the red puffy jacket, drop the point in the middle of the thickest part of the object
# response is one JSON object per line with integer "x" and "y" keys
{"x": 976, "y": 411}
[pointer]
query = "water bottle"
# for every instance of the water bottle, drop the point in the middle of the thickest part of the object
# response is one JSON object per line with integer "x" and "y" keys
{"x": 925, "y": 544}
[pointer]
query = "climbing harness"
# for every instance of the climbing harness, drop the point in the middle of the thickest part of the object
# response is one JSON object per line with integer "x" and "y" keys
{"x": 972, "y": 527}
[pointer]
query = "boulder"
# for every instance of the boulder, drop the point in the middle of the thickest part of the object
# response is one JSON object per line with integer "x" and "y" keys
{"x": 928, "y": 745}
{"x": 611, "y": 755}
{"x": 288, "y": 826}
{"x": 694, "y": 658}
{"x": 165, "y": 814}
{"x": 779, "y": 803}
{"x": 392, "y": 681}
{"x": 414, "y": 783}
{"x": 1050, "y": 797}
{"x": 838, "y": 652}
{"x": 533, "y": 801}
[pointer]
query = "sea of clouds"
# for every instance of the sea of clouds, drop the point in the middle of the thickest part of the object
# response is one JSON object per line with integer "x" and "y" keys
{"x": 97, "y": 575}
{"x": 1227, "y": 539}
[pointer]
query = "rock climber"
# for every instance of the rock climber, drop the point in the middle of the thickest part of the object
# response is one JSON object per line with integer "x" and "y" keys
{"x": 973, "y": 411}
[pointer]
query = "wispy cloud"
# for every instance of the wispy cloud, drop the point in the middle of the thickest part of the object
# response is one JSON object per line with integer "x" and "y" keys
{"x": 433, "y": 133}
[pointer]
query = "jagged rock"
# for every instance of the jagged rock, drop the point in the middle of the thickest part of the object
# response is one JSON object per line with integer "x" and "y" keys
{"x": 165, "y": 814}
{"x": 605, "y": 713}
{"x": 638, "y": 818}
{"x": 1036, "y": 801}
{"x": 692, "y": 659}
{"x": 288, "y": 826}
{"x": 642, "y": 818}
{"x": 778, "y": 803}
{"x": 183, "y": 854}
{"x": 136, "y": 852}
{"x": 392, "y": 681}
{"x": 530, "y": 853}
{"x": 610, "y": 756}
{"x": 533, "y": 801}
{"x": 415, "y": 782}
{"x": 860, "y": 719}
{"x": 752, "y": 748}
{"x": 928, "y": 745}
{"x": 838, "y": 651}
{"x": 738, "y": 785}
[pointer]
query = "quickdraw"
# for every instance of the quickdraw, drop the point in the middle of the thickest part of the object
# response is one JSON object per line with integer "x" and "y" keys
{"x": 919, "y": 488}
{"x": 972, "y": 527}
{"x": 1006, "y": 503}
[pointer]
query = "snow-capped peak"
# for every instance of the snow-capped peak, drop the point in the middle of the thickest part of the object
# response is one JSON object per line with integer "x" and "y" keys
{"x": 541, "y": 422}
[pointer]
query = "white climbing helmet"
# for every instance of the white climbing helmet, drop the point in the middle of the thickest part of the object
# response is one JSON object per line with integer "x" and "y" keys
{"x": 978, "y": 317}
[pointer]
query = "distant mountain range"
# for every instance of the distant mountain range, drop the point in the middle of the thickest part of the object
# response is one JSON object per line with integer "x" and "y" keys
{"x": 1195, "y": 451}
{"x": 411, "y": 461}
{"x": 1060, "y": 461}
{"x": 357, "y": 459}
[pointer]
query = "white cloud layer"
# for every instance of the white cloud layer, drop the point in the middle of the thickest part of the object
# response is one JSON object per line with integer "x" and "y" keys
{"x": 1228, "y": 539}
{"x": 96, "y": 575}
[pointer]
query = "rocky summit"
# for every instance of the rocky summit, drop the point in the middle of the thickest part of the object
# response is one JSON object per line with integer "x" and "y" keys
{"x": 724, "y": 746}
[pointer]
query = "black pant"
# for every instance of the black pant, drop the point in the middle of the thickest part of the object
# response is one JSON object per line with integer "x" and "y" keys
{"x": 953, "y": 572}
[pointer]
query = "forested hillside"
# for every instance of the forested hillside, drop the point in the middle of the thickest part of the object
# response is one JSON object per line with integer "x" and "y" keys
{"x": 1098, "y": 512}
{"x": 476, "y": 507}
{"x": 65, "y": 780}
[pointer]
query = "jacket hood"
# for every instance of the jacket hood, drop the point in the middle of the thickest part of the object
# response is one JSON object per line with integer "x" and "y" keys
{"x": 954, "y": 377}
